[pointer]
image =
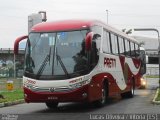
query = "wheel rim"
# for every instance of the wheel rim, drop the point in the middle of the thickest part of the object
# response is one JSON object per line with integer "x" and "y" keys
{"x": 103, "y": 96}
{"x": 132, "y": 90}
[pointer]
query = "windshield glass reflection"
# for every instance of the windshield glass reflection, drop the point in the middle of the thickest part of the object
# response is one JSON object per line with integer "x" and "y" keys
{"x": 60, "y": 53}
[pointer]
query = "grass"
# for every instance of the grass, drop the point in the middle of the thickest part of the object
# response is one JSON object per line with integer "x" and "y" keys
{"x": 10, "y": 96}
{"x": 152, "y": 76}
{"x": 158, "y": 97}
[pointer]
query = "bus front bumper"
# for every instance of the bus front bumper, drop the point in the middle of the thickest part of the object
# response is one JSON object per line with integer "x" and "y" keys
{"x": 77, "y": 95}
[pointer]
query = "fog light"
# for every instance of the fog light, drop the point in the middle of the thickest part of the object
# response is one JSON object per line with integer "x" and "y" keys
{"x": 84, "y": 95}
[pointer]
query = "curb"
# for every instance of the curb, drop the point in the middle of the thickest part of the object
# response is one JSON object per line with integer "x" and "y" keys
{"x": 154, "y": 99}
{"x": 5, "y": 104}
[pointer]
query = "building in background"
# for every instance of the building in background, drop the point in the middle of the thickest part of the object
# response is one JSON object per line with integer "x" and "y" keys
{"x": 151, "y": 46}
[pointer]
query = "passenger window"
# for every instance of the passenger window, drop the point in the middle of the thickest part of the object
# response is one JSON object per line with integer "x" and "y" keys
{"x": 121, "y": 45}
{"x": 137, "y": 51}
{"x": 114, "y": 44}
{"x": 132, "y": 49}
{"x": 127, "y": 48}
{"x": 106, "y": 43}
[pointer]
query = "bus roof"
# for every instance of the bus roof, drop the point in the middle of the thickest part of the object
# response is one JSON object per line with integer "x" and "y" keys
{"x": 62, "y": 25}
{"x": 65, "y": 25}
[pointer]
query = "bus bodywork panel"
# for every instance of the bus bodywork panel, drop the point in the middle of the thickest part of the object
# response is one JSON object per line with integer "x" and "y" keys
{"x": 62, "y": 25}
{"x": 119, "y": 75}
{"x": 57, "y": 90}
{"x": 62, "y": 92}
{"x": 118, "y": 70}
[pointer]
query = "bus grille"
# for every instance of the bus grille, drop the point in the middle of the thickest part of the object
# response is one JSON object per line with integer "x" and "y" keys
{"x": 51, "y": 89}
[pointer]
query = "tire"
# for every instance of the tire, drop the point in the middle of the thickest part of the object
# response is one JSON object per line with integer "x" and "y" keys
{"x": 52, "y": 105}
{"x": 102, "y": 101}
{"x": 129, "y": 94}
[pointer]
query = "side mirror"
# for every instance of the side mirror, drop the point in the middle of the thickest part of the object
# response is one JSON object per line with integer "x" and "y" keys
{"x": 16, "y": 43}
{"x": 88, "y": 41}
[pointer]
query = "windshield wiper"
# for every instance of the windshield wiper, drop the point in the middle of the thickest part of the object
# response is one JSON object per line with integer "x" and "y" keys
{"x": 47, "y": 59}
{"x": 41, "y": 69}
{"x": 62, "y": 65}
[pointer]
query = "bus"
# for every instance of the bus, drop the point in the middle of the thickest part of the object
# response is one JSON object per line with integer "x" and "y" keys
{"x": 79, "y": 61}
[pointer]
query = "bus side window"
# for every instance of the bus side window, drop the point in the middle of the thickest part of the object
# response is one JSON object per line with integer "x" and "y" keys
{"x": 121, "y": 45}
{"x": 106, "y": 43}
{"x": 114, "y": 44}
{"x": 132, "y": 49}
{"x": 137, "y": 51}
{"x": 127, "y": 48}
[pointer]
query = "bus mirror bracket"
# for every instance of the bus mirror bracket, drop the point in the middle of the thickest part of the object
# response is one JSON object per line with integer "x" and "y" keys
{"x": 88, "y": 42}
{"x": 16, "y": 43}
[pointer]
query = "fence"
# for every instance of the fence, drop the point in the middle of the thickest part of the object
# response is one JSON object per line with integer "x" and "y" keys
{"x": 17, "y": 83}
{"x": 8, "y": 71}
{"x": 7, "y": 59}
{"x": 153, "y": 71}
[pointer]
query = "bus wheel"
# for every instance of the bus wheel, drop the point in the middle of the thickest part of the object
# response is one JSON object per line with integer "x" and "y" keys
{"x": 52, "y": 105}
{"x": 130, "y": 93}
{"x": 102, "y": 101}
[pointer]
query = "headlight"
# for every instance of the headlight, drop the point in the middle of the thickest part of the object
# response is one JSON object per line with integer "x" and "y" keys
{"x": 143, "y": 82}
{"x": 29, "y": 86}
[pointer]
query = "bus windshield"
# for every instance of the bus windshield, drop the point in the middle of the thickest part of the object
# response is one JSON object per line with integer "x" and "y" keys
{"x": 56, "y": 54}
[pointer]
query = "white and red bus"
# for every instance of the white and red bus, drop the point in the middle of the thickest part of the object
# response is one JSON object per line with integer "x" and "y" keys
{"x": 79, "y": 61}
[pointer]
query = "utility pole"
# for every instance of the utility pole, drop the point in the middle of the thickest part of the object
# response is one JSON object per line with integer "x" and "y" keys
{"x": 107, "y": 16}
{"x": 156, "y": 30}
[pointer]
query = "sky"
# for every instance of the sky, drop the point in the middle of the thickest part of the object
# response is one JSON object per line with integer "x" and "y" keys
{"x": 127, "y": 14}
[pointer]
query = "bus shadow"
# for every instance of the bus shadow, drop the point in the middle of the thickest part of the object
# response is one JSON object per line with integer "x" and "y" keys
{"x": 80, "y": 107}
